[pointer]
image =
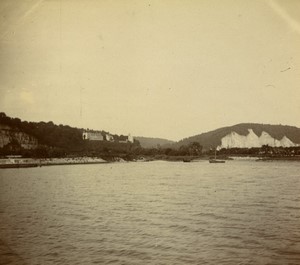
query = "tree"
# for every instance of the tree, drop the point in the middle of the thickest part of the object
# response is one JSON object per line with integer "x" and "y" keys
{"x": 195, "y": 148}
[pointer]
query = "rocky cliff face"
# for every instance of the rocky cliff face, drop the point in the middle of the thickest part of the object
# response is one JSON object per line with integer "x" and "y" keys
{"x": 9, "y": 135}
{"x": 234, "y": 140}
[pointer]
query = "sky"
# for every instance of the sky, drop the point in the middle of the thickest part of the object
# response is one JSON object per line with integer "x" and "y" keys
{"x": 165, "y": 68}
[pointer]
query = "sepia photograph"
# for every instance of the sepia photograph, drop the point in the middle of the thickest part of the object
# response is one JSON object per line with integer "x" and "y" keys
{"x": 160, "y": 132}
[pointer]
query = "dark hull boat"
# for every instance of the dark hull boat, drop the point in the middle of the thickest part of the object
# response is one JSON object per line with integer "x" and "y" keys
{"x": 216, "y": 161}
{"x": 18, "y": 165}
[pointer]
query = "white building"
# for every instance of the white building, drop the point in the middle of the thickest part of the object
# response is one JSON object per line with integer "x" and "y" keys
{"x": 126, "y": 139}
{"x": 109, "y": 137}
{"x": 130, "y": 138}
{"x": 93, "y": 136}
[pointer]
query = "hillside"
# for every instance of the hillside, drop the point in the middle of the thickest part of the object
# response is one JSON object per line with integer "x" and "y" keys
{"x": 213, "y": 139}
{"x": 147, "y": 142}
{"x": 17, "y": 136}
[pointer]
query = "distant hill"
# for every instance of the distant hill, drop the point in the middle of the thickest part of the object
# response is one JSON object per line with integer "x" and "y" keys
{"x": 212, "y": 139}
{"x": 16, "y": 134}
{"x": 147, "y": 142}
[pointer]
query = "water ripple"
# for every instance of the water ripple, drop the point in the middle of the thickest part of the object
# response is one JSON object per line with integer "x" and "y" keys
{"x": 151, "y": 213}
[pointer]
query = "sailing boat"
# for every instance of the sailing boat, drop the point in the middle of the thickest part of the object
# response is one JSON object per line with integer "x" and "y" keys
{"x": 215, "y": 160}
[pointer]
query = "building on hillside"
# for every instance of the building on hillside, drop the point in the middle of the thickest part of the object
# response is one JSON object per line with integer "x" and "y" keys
{"x": 98, "y": 136}
{"x": 123, "y": 139}
{"x": 92, "y": 136}
{"x": 126, "y": 139}
{"x": 109, "y": 137}
{"x": 130, "y": 138}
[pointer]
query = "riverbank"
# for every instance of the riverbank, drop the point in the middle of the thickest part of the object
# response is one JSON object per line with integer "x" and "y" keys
{"x": 283, "y": 158}
{"x": 34, "y": 162}
{"x": 40, "y": 162}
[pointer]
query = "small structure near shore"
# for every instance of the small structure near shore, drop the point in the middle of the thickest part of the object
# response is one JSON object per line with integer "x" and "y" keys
{"x": 17, "y": 161}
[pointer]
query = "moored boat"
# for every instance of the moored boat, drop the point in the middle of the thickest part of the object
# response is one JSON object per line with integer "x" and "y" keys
{"x": 215, "y": 160}
{"x": 19, "y": 165}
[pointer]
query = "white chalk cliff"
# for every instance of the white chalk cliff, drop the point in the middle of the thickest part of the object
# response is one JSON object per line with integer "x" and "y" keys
{"x": 250, "y": 140}
{"x": 7, "y": 135}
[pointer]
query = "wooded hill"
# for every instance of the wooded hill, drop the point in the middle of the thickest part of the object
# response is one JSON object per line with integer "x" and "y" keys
{"x": 148, "y": 142}
{"x": 59, "y": 138}
{"x": 212, "y": 139}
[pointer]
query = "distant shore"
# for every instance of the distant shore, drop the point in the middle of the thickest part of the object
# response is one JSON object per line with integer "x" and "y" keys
{"x": 41, "y": 162}
{"x": 284, "y": 158}
{"x": 36, "y": 162}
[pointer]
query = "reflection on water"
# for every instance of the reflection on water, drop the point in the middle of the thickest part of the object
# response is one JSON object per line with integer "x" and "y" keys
{"x": 240, "y": 212}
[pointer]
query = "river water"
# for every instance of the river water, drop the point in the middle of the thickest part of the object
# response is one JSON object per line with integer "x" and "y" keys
{"x": 240, "y": 212}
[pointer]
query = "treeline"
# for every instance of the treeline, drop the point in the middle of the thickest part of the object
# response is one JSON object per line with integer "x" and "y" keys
{"x": 58, "y": 140}
{"x": 192, "y": 149}
{"x": 63, "y": 140}
{"x": 47, "y": 133}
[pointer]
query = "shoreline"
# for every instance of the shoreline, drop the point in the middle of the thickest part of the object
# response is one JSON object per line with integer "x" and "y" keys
{"x": 41, "y": 162}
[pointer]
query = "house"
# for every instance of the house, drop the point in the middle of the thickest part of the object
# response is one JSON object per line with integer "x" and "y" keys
{"x": 98, "y": 136}
{"x": 92, "y": 136}
{"x": 130, "y": 138}
{"x": 109, "y": 137}
{"x": 126, "y": 139}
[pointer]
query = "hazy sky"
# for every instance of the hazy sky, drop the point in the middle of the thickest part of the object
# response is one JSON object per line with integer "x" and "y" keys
{"x": 167, "y": 69}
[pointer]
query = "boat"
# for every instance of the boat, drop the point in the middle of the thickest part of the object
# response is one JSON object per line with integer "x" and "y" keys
{"x": 215, "y": 160}
{"x": 18, "y": 165}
